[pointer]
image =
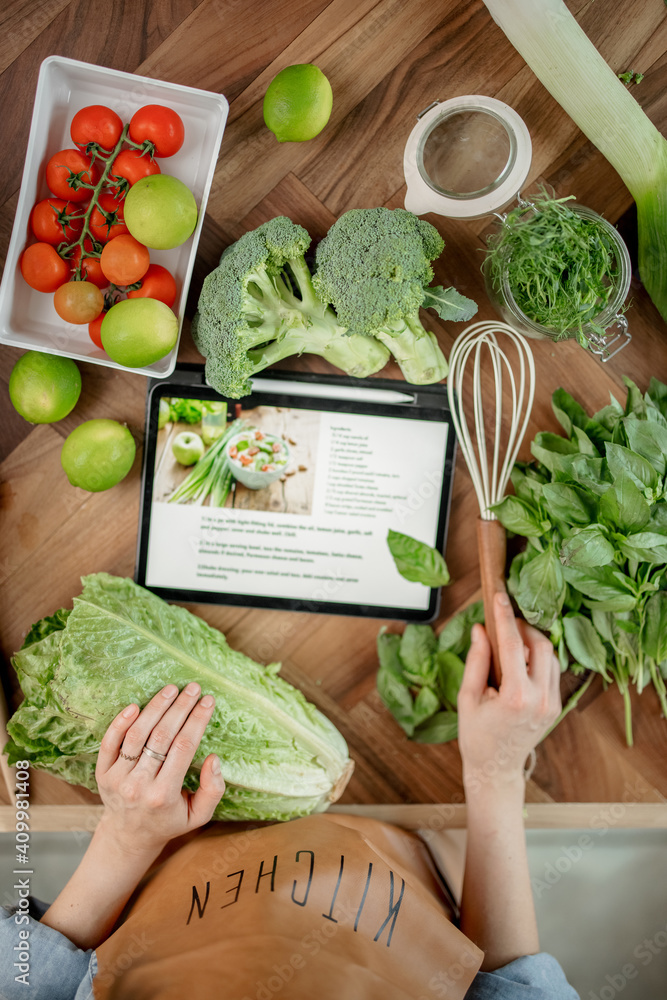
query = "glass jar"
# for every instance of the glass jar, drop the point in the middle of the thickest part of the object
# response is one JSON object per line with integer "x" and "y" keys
{"x": 611, "y": 321}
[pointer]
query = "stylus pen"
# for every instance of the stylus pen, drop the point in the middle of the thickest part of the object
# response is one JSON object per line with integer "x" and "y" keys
{"x": 338, "y": 392}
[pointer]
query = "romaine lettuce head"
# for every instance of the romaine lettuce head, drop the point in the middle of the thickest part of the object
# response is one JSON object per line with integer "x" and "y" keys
{"x": 280, "y": 756}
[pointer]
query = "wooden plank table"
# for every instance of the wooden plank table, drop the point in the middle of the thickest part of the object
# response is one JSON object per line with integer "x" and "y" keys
{"x": 387, "y": 61}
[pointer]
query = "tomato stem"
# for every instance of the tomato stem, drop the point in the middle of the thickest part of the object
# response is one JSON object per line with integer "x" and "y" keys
{"x": 97, "y": 190}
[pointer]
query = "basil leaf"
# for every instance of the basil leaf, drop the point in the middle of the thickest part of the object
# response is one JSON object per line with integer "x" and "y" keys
{"x": 600, "y": 584}
{"x": 658, "y": 519}
{"x": 622, "y": 461}
{"x": 520, "y": 517}
{"x": 648, "y": 440}
{"x": 609, "y": 416}
{"x": 541, "y": 589}
{"x": 392, "y": 689}
{"x": 426, "y": 704}
{"x": 586, "y": 446}
{"x": 585, "y": 644}
{"x": 568, "y": 412}
{"x": 450, "y": 675}
{"x": 587, "y": 547}
{"x": 527, "y": 485}
{"x": 416, "y": 561}
{"x": 550, "y": 450}
{"x": 591, "y": 473}
{"x": 635, "y": 402}
{"x": 570, "y": 503}
{"x": 624, "y": 505}
{"x": 441, "y": 728}
{"x": 657, "y": 392}
{"x": 455, "y": 636}
{"x": 653, "y": 635}
{"x": 646, "y": 546}
{"x": 417, "y": 652}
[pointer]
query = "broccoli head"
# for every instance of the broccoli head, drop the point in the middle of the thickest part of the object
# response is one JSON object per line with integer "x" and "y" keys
{"x": 259, "y": 306}
{"x": 373, "y": 267}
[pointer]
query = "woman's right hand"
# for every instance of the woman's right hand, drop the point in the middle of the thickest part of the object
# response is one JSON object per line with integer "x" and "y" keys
{"x": 499, "y": 728}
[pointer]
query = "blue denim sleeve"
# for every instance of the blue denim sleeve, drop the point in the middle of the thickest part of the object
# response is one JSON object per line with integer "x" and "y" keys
{"x": 51, "y": 966}
{"x": 533, "y": 977}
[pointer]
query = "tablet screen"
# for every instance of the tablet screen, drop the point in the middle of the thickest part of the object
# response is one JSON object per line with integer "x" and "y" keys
{"x": 286, "y": 500}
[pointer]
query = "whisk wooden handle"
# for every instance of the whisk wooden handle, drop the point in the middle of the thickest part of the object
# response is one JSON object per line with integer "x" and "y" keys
{"x": 492, "y": 548}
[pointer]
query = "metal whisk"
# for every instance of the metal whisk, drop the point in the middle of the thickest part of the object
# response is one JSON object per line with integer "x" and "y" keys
{"x": 488, "y": 472}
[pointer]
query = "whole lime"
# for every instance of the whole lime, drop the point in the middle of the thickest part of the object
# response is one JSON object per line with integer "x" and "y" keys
{"x": 297, "y": 103}
{"x": 160, "y": 211}
{"x": 98, "y": 454}
{"x": 137, "y": 332}
{"x": 44, "y": 388}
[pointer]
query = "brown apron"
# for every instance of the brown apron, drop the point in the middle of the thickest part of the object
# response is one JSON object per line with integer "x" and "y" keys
{"x": 329, "y": 907}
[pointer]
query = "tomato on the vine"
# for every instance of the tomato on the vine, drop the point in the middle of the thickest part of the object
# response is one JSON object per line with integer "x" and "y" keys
{"x": 78, "y": 301}
{"x": 159, "y": 125}
{"x": 95, "y": 331}
{"x": 51, "y": 221}
{"x": 43, "y": 268}
{"x": 129, "y": 167}
{"x": 124, "y": 260}
{"x": 91, "y": 269}
{"x": 157, "y": 283}
{"x": 96, "y": 124}
{"x": 106, "y": 219}
{"x": 67, "y": 171}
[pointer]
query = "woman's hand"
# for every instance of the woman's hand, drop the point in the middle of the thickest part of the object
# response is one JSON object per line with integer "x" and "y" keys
{"x": 499, "y": 728}
{"x": 145, "y": 803}
{"x": 145, "y": 807}
{"x": 497, "y": 731}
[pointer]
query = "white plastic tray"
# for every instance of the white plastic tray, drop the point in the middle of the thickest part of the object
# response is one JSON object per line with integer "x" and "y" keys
{"x": 27, "y": 317}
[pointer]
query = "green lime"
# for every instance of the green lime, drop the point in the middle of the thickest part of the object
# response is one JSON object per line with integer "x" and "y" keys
{"x": 160, "y": 211}
{"x": 44, "y": 388}
{"x": 297, "y": 103}
{"x": 98, "y": 454}
{"x": 137, "y": 332}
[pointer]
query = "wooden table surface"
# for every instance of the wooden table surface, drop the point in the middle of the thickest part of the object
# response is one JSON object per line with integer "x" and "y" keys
{"x": 386, "y": 60}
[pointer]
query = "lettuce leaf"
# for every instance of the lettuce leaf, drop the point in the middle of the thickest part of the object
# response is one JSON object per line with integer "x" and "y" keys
{"x": 280, "y": 756}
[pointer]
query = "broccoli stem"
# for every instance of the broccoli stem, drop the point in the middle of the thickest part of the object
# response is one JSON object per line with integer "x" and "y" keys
{"x": 353, "y": 353}
{"x": 416, "y": 350}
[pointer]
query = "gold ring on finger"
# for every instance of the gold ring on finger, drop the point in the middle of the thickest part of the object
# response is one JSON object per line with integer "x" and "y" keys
{"x": 126, "y": 756}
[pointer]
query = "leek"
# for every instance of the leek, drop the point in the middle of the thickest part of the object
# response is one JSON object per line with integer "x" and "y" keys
{"x": 575, "y": 74}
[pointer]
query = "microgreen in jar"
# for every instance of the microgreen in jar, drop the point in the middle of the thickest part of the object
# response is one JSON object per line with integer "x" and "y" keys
{"x": 560, "y": 266}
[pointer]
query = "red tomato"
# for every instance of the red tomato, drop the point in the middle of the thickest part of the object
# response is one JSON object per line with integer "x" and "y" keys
{"x": 106, "y": 219}
{"x": 43, "y": 268}
{"x": 91, "y": 269}
{"x": 97, "y": 125}
{"x": 67, "y": 170}
{"x": 51, "y": 221}
{"x": 95, "y": 331}
{"x": 159, "y": 125}
{"x": 124, "y": 260}
{"x": 78, "y": 301}
{"x": 129, "y": 167}
{"x": 157, "y": 283}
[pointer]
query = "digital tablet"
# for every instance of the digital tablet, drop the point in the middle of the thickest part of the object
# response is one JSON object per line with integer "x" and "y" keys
{"x": 284, "y": 499}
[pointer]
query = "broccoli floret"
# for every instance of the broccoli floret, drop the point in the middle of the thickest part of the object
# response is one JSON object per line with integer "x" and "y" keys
{"x": 373, "y": 267}
{"x": 259, "y": 306}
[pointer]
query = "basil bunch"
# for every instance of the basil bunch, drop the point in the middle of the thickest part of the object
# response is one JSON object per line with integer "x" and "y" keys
{"x": 420, "y": 675}
{"x": 593, "y": 509}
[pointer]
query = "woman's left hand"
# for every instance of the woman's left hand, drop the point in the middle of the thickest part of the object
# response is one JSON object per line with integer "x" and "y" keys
{"x": 145, "y": 803}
